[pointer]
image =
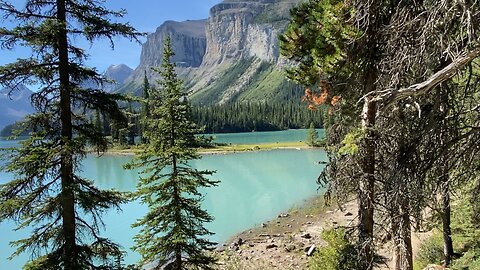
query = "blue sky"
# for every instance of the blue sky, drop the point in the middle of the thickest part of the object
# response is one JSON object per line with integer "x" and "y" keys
{"x": 144, "y": 15}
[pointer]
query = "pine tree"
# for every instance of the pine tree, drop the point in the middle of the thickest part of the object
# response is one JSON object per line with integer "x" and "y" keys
{"x": 62, "y": 208}
{"x": 312, "y": 136}
{"x": 172, "y": 231}
{"x": 357, "y": 49}
{"x": 145, "y": 110}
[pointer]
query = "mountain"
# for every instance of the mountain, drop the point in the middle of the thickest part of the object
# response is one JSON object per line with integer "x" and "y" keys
{"x": 189, "y": 43}
{"x": 117, "y": 73}
{"x": 231, "y": 56}
{"x": 14, "y": 104}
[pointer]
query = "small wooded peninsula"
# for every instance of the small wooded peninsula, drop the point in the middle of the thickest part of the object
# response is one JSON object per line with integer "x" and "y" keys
{"x": 273, "y": 134}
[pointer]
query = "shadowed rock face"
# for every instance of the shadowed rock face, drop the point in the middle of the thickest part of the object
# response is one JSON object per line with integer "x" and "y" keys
{"x": 188, "y": 41}
{"x": 189, "y": 44}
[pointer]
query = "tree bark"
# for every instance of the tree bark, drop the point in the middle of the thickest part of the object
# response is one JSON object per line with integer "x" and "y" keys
{"x": 403, "y": 239}
{"x": 447, "y": 232}
{"x": 366, "y": 190}
{"x": 66, "y": 166}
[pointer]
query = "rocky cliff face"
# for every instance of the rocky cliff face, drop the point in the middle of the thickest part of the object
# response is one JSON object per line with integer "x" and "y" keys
{"x": 189, "y": 44}
{"x": 240, "y": 31}
{"x": 243, "y": 29}
{"x": 239, "y": 37}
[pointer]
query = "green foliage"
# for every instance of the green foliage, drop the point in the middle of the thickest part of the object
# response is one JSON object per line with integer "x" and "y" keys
{"x": 245, "y": 117}
{"x": 316, "y": 39}
{"x": 172, "y": 232}
{"x": 465, "y": 235}
{"x": 351, "y": 141}
{"x": 339, "y": 254}
{"x": 312, "y": 136}
{"x": 469, "y": 260}
{"x": 62, "y": 210}
{"x": 15, "y": 129}
{"x": 431, "y": 251}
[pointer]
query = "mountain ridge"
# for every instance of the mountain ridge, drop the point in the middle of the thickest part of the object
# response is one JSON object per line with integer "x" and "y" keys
{"x": 240, "y": 38}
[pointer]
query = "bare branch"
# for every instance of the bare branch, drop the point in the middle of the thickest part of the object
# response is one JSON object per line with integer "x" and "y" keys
{"x": 389, "y": 96}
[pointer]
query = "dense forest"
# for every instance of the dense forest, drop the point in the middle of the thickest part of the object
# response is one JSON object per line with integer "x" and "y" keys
{"x": 245, "y": 117}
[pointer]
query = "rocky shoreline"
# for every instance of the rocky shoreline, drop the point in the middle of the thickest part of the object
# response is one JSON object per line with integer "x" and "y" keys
{"x": 287, "y": 241}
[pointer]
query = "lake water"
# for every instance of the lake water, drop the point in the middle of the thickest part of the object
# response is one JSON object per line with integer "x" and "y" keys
{"x": 255, "y": 187}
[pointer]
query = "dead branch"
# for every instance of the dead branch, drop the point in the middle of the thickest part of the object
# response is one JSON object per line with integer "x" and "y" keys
{"x": 389, "y": 96}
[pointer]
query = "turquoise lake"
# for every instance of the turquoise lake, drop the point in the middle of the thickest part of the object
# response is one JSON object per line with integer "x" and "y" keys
{"x": 254, "y": 187}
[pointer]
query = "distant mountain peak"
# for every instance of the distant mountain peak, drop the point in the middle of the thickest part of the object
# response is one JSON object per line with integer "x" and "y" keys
{"x": 118, "y": 72}
{"x": 14, "y": 104}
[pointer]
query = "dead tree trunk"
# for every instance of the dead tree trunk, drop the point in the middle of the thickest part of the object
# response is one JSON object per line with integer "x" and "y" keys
{"x": 403, "y": 238}
{"x": 366, "y": 190}
{"x": 447, "y": 232}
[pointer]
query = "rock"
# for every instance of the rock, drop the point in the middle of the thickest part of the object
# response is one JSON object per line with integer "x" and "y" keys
{"x": 270, "y": 246}
{"x": 263, "y": 235}
{"x": 220, "y": 248}
{"x": 348, "y": 214}
{"x": 283, "y": 215}
{"x": 264, "y": 225}
{"x": 238, "y": 242}
{"x": 306, "y": 236}
{"x": 251, "y": 245}
{"x": 310, "y": 250}
{"x": 290, "y": 247}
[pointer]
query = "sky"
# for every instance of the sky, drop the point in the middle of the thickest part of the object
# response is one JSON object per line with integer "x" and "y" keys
{"x": 144, "y": 15}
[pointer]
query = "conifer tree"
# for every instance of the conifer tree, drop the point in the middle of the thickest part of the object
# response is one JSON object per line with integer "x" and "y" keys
{"x": 364, "y": 50}
{"x": 312, "y": 136}
{"x": 145, "y": 113}
{"x": 48, "y": 195}
{"x": 172, "y": 232}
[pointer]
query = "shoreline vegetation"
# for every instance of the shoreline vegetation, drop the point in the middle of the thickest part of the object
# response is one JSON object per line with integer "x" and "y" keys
{"x": 215, "y": 150}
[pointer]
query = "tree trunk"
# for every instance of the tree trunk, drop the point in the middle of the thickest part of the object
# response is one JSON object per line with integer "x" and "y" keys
{"x": 366, "y": 190}
{"x": 403, "y": 239}
{"x": 66, "y": 166}
{"x": 447, "y": 232}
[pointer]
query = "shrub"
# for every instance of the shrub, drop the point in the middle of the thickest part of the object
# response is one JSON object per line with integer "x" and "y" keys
{"x": 339, "y": 254}
{"x": 431, "y": 251}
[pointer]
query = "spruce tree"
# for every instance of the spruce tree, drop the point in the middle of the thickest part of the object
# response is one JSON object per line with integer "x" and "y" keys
{"x": 172, "y": 232}
{"x": 48, "y": 195}
{"x": 312, "y": 136}
{"x": 364, "y": 50}
{"x": 145, "y": 110}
